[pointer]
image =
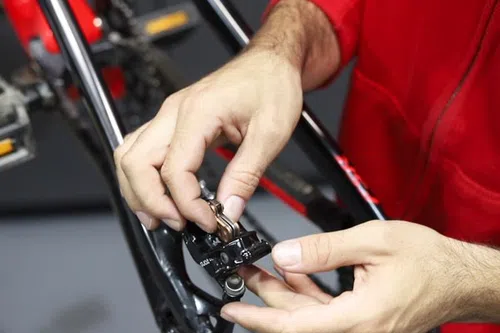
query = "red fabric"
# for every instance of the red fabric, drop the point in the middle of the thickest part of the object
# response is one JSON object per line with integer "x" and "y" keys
{"x": 422, "y": 120}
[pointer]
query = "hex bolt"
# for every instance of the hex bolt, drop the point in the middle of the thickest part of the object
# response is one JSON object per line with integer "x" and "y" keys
{"x": 224, "y": 257}
{"x": 246, "y": 254}
{"x": 234, "y": 286}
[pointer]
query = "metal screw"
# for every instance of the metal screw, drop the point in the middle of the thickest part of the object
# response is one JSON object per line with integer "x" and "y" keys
{"x": 246, "y": 254}
{"x": 224, "y": 257}
{"x": 234, "y": 286}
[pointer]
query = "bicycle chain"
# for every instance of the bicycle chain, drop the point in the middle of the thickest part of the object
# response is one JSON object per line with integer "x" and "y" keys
{"x": 139, "y": 42}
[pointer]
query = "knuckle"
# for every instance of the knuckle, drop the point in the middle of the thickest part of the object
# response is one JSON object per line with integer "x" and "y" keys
{"x": 246, "y": 180}
{"x": 166, "y": 173}
{"x": 320, "y": 249}
{"x": 150, "y": 202}
{"x": 172, "y": 102}
{"x": 117, "y": 155}
{"x": 128, "y": 162}
{"x": 383, "y": 235}
{"x": 128, "y": 136}
{"x": 197, "y": 101}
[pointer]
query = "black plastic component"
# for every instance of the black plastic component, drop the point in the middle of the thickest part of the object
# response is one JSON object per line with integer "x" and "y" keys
{"x": 221, "y": 260}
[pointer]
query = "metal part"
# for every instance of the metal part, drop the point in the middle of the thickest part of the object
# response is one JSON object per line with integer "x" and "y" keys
{"x": 231, "y": 21}
{"x": 234, "y": 286}
{"x": 206, "y": 194}
{"x": 222, "y": 260}
{"x": 15, "y": 128}
{"x": 220, "y": 255}
{"x": 227, "y": 229}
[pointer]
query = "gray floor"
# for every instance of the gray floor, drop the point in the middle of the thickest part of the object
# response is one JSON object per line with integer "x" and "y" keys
{"x": 73, "y": 274}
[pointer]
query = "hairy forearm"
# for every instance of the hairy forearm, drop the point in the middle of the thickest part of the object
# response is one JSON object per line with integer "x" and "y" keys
{"x": 301, "y": 33}
{"x": 477, "y": 282}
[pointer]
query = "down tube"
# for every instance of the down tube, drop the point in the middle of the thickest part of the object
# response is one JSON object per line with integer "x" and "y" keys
{"x": 310, "y": 134}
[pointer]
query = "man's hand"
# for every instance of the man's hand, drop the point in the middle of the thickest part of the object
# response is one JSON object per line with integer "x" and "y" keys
{"x": 254, "y": 102}
{"x": 408, "y": 278}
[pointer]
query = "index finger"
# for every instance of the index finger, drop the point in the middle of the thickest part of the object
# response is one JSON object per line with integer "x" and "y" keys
{"x": 193, "y": 135}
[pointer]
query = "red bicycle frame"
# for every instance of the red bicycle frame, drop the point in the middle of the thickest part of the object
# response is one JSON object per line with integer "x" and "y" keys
{"x": 29, "y": 23}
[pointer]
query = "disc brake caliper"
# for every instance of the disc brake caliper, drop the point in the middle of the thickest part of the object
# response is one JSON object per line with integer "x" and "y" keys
{"x": 222, "y": 253}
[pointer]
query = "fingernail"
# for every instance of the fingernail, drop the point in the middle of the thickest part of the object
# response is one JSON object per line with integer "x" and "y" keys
{"x": 145, "y": 219}
{"x": 233, "y": 207}
{"x": 226, "y": 316}
{"x": 287, "y": 254}
{"x": 174, "y": 224}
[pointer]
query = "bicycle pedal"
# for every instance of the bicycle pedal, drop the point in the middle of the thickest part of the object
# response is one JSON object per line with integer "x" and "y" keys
{"x": 17, "y": 144}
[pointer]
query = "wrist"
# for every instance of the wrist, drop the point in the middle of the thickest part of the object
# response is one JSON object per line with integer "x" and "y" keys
{"x": 278, "y": 65}
{"x": 283, "y": 35}
{"x": 300, "y": 34}
{"x": 474, "y": 279}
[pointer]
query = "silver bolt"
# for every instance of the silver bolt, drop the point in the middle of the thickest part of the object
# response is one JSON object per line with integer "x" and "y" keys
{"x": 234, "y": 286}
{"x": 246, "y": 254}
{"x": 224, "y": 257}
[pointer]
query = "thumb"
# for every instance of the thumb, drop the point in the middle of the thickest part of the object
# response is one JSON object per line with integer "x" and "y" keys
{"x": 328, "y": 251}
{"x": 242, "y": 175}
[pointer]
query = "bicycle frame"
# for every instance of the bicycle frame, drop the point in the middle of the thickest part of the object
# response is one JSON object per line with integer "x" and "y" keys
{"x": 158, "y": 254}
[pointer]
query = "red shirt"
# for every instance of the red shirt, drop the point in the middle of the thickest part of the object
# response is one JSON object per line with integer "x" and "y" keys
{"x": 422, "y": 119}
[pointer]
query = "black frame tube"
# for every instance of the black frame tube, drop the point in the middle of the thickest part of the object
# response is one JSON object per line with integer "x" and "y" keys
{"x": 310, "y": 134}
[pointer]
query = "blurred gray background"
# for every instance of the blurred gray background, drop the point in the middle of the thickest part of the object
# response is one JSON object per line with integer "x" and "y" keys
{"x": 64, "y": 265}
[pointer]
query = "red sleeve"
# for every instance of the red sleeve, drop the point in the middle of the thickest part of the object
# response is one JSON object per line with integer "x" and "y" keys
{"x": 345, "y": 17}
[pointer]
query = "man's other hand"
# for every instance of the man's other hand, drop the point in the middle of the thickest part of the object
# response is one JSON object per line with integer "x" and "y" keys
{"x": 408, "y": 278}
